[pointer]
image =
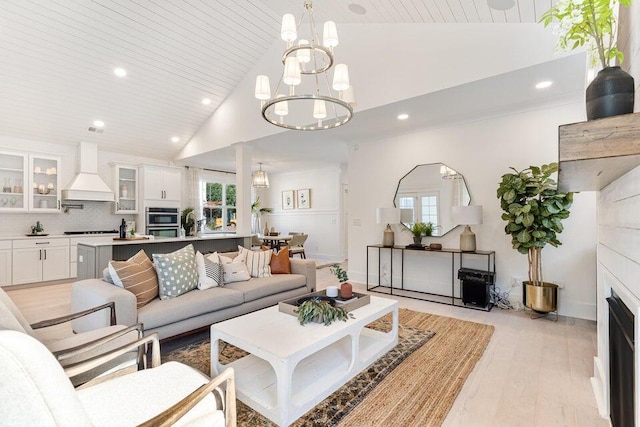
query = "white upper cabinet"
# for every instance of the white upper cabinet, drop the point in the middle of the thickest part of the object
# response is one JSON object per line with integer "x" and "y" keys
{"x": 161, "y": 183}
{"x": 125, "y": 187}
{"x": 13, "y": 179}
{"x": 44, "y": 183}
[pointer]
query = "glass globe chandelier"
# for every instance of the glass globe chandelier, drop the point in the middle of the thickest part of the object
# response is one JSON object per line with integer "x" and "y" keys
{"x": 304, "y": 99}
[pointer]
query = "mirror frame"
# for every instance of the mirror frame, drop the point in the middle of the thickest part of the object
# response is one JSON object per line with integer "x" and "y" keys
{"x": 429, "y": 164}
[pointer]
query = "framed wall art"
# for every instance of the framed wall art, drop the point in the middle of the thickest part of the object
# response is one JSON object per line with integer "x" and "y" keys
{"x": 287, "y": 199}
{"x": 304, "y": 198}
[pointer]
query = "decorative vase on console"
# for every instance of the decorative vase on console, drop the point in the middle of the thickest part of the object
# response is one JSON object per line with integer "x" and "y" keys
{"x": 593, "y": 23}
{"x": 265, "y": 232}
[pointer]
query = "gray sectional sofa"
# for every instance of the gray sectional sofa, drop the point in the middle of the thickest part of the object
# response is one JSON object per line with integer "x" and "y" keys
{"x": 195, "y": 309}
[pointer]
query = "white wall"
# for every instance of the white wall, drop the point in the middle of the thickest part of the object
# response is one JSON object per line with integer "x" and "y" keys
{"x": 482, "y": 151}
{"x": 94, "y": 216}
{"x": 321, "y": 221}
{"x": 629, "y": 43}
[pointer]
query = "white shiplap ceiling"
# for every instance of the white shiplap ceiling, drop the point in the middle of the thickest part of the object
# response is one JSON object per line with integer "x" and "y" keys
{"x": 58, "y": 56}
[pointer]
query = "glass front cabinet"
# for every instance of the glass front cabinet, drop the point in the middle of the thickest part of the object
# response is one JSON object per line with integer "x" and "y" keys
{"x": 44, "y": 189}
{"x": 13, "y": 174}
{"x": 126, "y": 188}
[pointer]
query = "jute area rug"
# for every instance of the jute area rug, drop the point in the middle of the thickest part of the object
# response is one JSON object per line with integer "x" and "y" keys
{"x": 415, "y": 384}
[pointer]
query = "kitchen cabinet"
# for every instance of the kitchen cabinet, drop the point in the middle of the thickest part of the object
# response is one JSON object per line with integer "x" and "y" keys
{"x": 125, "y": 187}
{"x": 161, "y": 183}
{"x": 40, "y": 260}
{"x": 73, "y": 249}
{"x": 44, "y": 183}
{"x": 13, "y": 178}
{"x": 5, "y": 262}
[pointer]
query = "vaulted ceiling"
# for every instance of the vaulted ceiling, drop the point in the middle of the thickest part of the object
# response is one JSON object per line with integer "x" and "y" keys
{"x": 58, "y": 57}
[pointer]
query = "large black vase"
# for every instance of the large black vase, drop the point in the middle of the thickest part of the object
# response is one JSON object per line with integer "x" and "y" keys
{"x": 610, "y": 94}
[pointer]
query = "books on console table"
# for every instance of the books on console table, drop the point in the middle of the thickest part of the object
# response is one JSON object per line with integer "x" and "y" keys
{"x": 290, "y": 306}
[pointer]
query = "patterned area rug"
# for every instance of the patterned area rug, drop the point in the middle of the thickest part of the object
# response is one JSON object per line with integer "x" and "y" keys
{"x": 422, "y": 394}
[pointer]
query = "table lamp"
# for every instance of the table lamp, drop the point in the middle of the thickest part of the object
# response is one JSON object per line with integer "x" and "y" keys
{"x": 467, "y": 215}
{"x": 388, "y": 216}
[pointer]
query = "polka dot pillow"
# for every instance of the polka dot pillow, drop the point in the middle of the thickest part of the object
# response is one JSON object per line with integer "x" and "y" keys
{"x": 177, "y": 272}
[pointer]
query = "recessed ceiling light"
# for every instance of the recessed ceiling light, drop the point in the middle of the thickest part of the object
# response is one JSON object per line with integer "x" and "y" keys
{"x": 403, "y": 116}
{"x": 175, "y": 139}
{"x": 120, "y": 72}
{"x": 206, "y": 101}
{"x": 98, "y": 123}
{"x": 501, "y": 4}
{"x": 357, "y": 9}
{"x": 544, "y": 84}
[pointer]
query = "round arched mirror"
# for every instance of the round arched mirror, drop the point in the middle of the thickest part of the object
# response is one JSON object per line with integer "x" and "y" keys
{"x": 428, "y": 193}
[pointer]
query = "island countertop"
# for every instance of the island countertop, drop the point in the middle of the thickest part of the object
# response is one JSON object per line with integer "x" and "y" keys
{"x": 159, "y": 240}
{"x": 94, "y": 257}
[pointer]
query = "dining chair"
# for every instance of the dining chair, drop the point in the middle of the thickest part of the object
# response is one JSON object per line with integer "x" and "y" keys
{"x": 256, "y": 242}
{"x": 37, "y": 391}
{"x": 75, "y": 348}
{"x": 296, "y": 245}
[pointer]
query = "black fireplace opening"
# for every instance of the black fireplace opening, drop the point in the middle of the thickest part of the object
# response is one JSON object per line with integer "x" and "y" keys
{"x": 621, "y": 363}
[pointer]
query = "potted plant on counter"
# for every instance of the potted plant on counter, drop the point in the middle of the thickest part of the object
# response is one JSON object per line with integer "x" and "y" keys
{"x": 534, "y": 209}
{"x": 593, "y": 23}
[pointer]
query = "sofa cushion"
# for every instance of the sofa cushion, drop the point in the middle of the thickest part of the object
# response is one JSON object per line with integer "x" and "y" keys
{"x": 257, "y": 288}
{"x": 280, "y": 262}
{"x": 257, "y": 261}
{"x": 163, "y": 312}
{"x": 136, "y": 275}
{"x": 177, "y": 272}
{"x": 209, "y": 272}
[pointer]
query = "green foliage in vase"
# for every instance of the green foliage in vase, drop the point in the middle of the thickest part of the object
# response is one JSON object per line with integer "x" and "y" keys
{"x": 256, "y": 209}
{"x": 587, "y": 22}
{"x": 314, "y": 310}
{"x": 533, "y": 209}
{"x": 187, "y": 224}
{"x": 421, "y": 229}
{"x": 339, "y": 273}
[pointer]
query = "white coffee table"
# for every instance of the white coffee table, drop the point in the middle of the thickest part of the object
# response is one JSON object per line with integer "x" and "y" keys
{"x": 291, "y": 367}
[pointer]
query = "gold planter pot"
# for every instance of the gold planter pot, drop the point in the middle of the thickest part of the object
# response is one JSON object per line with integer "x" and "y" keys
{"x": 543, "y": 299}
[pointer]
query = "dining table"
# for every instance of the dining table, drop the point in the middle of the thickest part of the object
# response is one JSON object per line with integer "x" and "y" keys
{"x": 275, "y": 242}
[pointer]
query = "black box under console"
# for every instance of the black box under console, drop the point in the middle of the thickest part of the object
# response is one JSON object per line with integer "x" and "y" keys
{"x": 476, "y": 286}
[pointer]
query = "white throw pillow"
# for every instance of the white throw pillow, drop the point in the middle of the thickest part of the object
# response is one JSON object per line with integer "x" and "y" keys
{"x": 208, "y": 277}
{"x": 235, "y": 272}
{"x": 258, "y": 262}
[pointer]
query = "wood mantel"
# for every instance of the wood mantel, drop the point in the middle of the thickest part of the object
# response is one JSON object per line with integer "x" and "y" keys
{"x": 593, "y": 154}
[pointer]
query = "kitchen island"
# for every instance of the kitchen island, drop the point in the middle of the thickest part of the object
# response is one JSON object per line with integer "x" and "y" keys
{"x": 93, "y": 257}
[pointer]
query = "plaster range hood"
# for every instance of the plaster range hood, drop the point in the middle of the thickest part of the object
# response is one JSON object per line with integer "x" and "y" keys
{"x": 87, "y": 184}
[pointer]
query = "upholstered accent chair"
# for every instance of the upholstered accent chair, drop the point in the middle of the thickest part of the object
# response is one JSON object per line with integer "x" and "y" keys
{"x": 76, "y": 347}
{"x": 36, "y": 391}
{"x": 296, "y": 245}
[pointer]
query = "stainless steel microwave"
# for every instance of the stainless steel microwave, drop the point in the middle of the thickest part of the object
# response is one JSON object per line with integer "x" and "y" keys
{"x": 163, "y": 217}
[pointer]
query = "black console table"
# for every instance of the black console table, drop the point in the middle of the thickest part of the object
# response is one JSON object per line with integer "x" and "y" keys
{"x": 450, "y": 299}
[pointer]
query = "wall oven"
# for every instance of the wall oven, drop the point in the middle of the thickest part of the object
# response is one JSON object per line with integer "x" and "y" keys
{"x": 162, "y": 222}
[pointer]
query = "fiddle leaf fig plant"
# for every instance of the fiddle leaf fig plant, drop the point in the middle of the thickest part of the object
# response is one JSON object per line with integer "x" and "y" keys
{"x": 533, "y": 209}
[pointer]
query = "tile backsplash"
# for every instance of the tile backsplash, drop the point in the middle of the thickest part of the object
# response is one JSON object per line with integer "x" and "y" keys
{"x": 94, "y": 216}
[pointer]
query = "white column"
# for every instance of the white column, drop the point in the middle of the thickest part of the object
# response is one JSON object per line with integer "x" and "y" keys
{"x": 243, "y": 188}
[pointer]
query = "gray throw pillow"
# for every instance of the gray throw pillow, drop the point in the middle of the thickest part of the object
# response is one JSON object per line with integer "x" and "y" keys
{"x": 177, "y": 272}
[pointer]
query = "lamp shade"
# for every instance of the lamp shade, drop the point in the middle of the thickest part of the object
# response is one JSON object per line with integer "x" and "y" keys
{"x": 260, "y": 178}
{"x": 387, "y": 215}
{"x": 467, "y": 215}
{"x": 282, "y": 108}
{"x": 303, "y": 55}
{"x": 330, "y": 34}
{"x": 341, "y": 77}
{"x": 319, "y": 109}
{"x": 263, "y": 90}
{"x": 288, "y": 31}
{"x": 291, "y": 75}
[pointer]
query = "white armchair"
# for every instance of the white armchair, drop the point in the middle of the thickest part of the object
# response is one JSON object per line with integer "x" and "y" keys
{"x": 76, "y": 347}
{"x": 36, "y": 390}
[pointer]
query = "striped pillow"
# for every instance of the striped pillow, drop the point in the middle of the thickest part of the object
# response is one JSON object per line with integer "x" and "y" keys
{"x": 257, "y": 261}
{"x": 136, "y": 275}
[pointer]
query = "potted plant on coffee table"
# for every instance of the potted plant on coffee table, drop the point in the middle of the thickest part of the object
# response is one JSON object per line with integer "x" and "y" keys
{"x": 593, "y": 23}
{"x": 534, "y": 210}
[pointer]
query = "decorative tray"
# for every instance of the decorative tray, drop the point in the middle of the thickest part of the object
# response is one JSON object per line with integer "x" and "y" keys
{"x": 290, "y": 306}
{"x": 36, "y": 235}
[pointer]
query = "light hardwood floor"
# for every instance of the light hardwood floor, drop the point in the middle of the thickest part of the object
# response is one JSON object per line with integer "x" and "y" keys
{"x": 533, "y": 373}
